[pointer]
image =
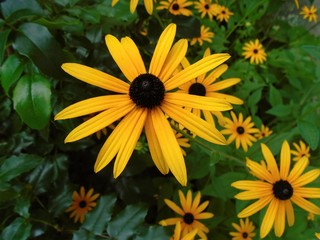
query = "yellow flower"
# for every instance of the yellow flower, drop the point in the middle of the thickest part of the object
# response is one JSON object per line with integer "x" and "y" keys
{"x": 254, "y": 51}
{"x": 134, "y": 3}
{"x": 245, "y": 231}
{"x": 182, "y": 141}
{"x": 240, "y": 131}
{"x": 309, "y": 13}
{"x": 317, "y": 235}
{"x": 208, "y": 86}
{"x": 176, "y": 7}
{"x": 297, "y": 3}
{"x": 301, "y": 151}
{"x": 223, "y": 14}
{"x": 278, "y": 188}
{"x": 81, "y": 204}
{"x": 205, "y": 35}
{"x": 190, "y": 213}
{"x": 177, "y": 233}
{"x": 206, "y": 7}
{"x": 263, "y": 132}
{"x": 143, "y": 103}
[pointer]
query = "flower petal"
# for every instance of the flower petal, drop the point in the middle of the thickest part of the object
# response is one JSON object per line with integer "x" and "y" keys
{"x": 306, "y": 178}
{"x": 305, "y": 204}
{"x": 298, "y": 169}
{"x": 259, "y": 171}
{"x": 253, "y": 194}
{"x": 133, "y": 5}
{"x": 280, "y": 219}
{"x": 216, "y": 73}
{"x": 289, "y": 212}
{"x": 174, "y": 207}
{"x": 269, "y": 217}
{"x": 251, "y": 185}
{"x": 133, "y": 52}
{"x": 255, "y": 207}
{"x": 307, "y": 192}
{"x": 285, "y": 160}
{"x": 149, "y": 6}
{"x": 271, "y": 162}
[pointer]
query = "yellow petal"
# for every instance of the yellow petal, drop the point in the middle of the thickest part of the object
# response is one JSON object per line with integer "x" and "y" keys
{"x": 308, "y": 192}
{"x": 285, "y": 160}
{"x": 95, "y": 77}
{"x": 174, "y": 207}
{"x": 305, "y": 204}
{"x": 223, "y": 84}
{"x": 215, "y": 74}
{"x": 289, "y": 212}
{"x": 162, "y": 49}
{"x": 251, "y": 185}
{"x": 204, "y": 215}
{"x": 269, "y": 217}
{"x": 196, "y": 202}
{"x": 226, "y": 97}
{"x": 202, "y": 66}
{"x": 259, "y": 171}
{"x": 272, "y": 164}
{"x": 255, "y": 207}
{"x": 149, "y": 6}
{"x": 98, "y": 122}
{"x": 298, "y": 169}
{"x": 92, "y": 105}
{"x": 201, "y": 208}
{"x": 306, "y": 178}
{"x": 133, "y": 5}
{"x": 253, "y": 194}
{"x": 280, "y": 220}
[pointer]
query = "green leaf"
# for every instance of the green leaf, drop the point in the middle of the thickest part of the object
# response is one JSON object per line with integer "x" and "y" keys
{"x": 16, "y": 165}
{"x": 82, "y": 234}
{"x": 97, "y": 220}
{"x": 280, "y": 110}
{"x": 10, "y": 72}
{"x": 274, "y": 96}
{"x": 187, "y": 27}
{"x": 124, "y": 224}
{"x": 310, "y": 133}
{"x": 7, "y": 192}
{"x": 23, "y": 203}
{"x": 36, "y": 42}
{"x": 313, "y": 50}
{"x": 32, "y": 100}
{"x": 19, "y": 229}
{"x": 10, "y": 7}
{"x": 154, "y": 233}
{"x": 3, "y": 42}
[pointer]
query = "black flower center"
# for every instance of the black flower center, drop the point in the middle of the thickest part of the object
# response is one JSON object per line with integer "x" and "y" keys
{"x": 188, "y": 218}
{"x": 206, "y": 6}
{"x": 245, "y": 235}
{"x": 82, "y": 204}
{"x": 255, "y": 51}
{"x": 146, "y": 91}
{"x": 282, "y": 190}
{"x": 175, "y": 6}
{"x": 223, "y": 12}
{"x": 197, "y": 89}
{"x": 240, "y": 130}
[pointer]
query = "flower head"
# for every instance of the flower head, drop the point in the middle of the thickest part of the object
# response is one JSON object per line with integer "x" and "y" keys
{"x": 240, "y": 131}
{"x": 176, "y": 7}
{"x": 205, "y": 36}
{"x": 309, "y": 13}
{"x": 223, "y": 14}
{"x": 254, "y": 51}
{"x": 190, "y": 214}
{"x": 301, "y": 150}
{"x": 134, "y": 3}
{"x": 245, "y": 231}
{"x": 144, "y": 102}
{"x": 82, "y": 203}
{"x": 278, "y": 187}
{"x": 206, "y": 7}
{"x": 177, "y": 233}
{"x": 263, "y": 132}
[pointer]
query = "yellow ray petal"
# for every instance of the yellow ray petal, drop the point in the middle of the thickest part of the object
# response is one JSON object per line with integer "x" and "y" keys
{"x": 133, "y": 5}
{"x": 202, "y": 66}
{"x": 194, "y": 101}
{"x": 280, "y": 219}
{"x": 226, "y": 97}
{"x": 272, "y": 164}
{"x": 253, "y": 194}
{"x": 305, "y": 204}
{"x": 285, "y": 160}
{"x": 201, "y": 208}
{"x": 149, "y": 6}
{"x": 255, "y": 207}
{"x": 174, "y": 207}
{"x": 98, "y": 122}
{"x": 269, "y": 217}
{"x": 95, "y": 77}
{"x": 169, "y": 221}
{"x": 196, "y": 125}
{"x": 169, "y": 146}
{"x": 133, "y": 52}
{"x": 154, "y": 147}
{"x": 259, "y": 171}
{"x": 173, "y": 59}
{"x": 223, "y": 84}
{"x": 289, "y": 212}
{"x": 215, "y": 74}
{"x": 306, "y": 178}
{"x": 251, "y": 185}
{"x": 298, "y": 169}
{"x": 93, "y": 105}
{"x": 130, "y": 139}
{"x": 196, "y": 202}
{"x": 188, "y": 204}
{"x": 204, "y": 215}
{"x": 121, "y": 57}
{"x": 162, "y": 49}
{"x": 308, "y": 192}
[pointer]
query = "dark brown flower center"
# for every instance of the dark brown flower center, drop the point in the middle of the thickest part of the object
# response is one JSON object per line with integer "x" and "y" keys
{"x": 175, "y": 6}
{"x": 282, "y": 190}
{"x": 223, "y": 12}
{"x": 245, "y": 235}
{"x": 255, "y": 51}
{"x": 240, "y": 130}
{"x": 197, "y": 89}
{"x": 82, "y": 204}
{"x": 188, "y": 218}
{"x": 146, "y": 91}
{"x": 206, "y": 6}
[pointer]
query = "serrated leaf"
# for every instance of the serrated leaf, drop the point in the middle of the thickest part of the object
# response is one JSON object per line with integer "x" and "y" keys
{"x": 3, "y": 42}
{"x": 310, "y": 133}
{"x": 32, "y": 100}
{"x": 123, "y": 226}
{"x": 16, "y": 165}
{"x": 97, "y": 219}
{"x": 19, "y": 229}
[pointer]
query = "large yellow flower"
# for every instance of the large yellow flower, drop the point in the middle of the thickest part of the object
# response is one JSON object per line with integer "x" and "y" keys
{"x": 176, "y": 7}
{"x": 190, "y": 213}
{"x": 82, "y": 203}
{"x": 144, "y": 102}
{"x": 205, "y": 36}
{"x": 206, "y": 7}
{"x": 134, "y": 3}
{"x": 254, "y": 51}
{"x": 301, "y": 150}
{"x": 240, "y": 131}
{"x": 245, "y": 231}
{"x": 223, "y": 13}
{"x": 278, "y": 188}
{"x": 309, "y": 13}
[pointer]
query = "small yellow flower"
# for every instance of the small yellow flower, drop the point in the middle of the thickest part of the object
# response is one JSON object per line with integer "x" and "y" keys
{"x": 300, "y": 151}
{"x": 223, "y": 14}
{"x": 245, "y": 231}
{"x": 176, "y": 7}
{"x": 134, "y": 3}
{"x": 81, "y": 204}
{"x": 254, "y": 51}
{"x": 206, "y": 7}
{"x": 309, "y": 13}
{"x": 177, "y": 233}
{"x": 205, "y": 35}
{"x": 190, "y": 214}
{"x": 263, "y": 132}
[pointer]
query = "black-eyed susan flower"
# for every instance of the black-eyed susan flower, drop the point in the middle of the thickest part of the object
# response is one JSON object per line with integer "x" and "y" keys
{"x": 309, "y": 13}
{"x": 134, "y": 3}
{"x": 264, "y": 131}
{"x": 241, "y": 131}
{"x": 82, "y": 203}
{"x": 254, "y": 51}
{"x": 177, "y": 233}
{"x": 176, "y": 7}
{"x": 301, "y": 150}
{"x": 205, "y": 36}
{"x": 206, "y": 7}
{"x": 223, "y": 13}
{"x": 144, "y": 102}
{"x": 245, "y": 230}
{"x": 278, "y": 187}
{"x": 190, "y": 213}
{"x": 209, "y": 86}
